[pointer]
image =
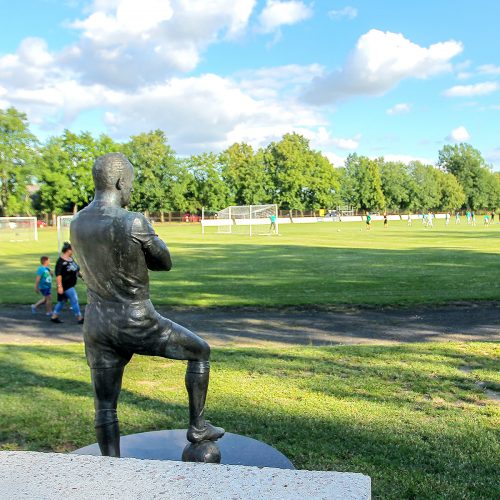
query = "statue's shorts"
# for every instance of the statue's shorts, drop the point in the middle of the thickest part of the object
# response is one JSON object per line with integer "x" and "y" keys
{"x": 114, "y": 331}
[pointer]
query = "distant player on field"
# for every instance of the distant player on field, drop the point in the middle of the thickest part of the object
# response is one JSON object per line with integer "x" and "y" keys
{"x": 272, "y": 226}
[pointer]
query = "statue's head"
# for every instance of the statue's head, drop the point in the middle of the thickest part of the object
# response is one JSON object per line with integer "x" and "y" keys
{"x": 114, "y": 173}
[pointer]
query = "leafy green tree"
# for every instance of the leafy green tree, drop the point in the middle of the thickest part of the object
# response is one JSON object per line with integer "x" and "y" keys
{"x": 56, "y": 194}
{"x": 322, "y": 183}
{"x": 17, "y": 156}
{"x": 495, "y": 195}
{"x": 300, "y": 177}
{"x": 395, "y": 184}
{"x": 286, "y": 163}
{"x": 452, "y": 194}
{"x": 471, "y": 171}
{"x": 160, "y": 179}
{"x": 207, "y": 187}
{"x": 245, "y": 175}
{"x": 490, "y": 181}
{"x": 65, "y": 170}
{"x": 364, "y": 183}
{"x": 425, "y": 193}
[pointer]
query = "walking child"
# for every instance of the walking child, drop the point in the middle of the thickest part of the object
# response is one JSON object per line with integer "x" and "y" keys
{"x": 43, "y": 285}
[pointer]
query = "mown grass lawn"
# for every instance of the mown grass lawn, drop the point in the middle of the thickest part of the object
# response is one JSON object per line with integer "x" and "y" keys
{"x": 307, "y": 264}
{"x": 416, "y": 418}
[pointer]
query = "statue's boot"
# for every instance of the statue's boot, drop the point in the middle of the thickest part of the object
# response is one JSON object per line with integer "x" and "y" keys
{"x": 197, "y": 377}
{"x": 208, "y": 433}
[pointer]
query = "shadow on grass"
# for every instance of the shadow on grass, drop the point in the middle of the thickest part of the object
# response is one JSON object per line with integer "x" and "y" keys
{"x": 326, "y": 409}
{"x": 280, "y": 274}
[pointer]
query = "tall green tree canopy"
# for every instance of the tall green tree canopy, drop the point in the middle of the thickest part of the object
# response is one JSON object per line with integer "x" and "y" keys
{"x": 300, "y": 177}
{"x": 17, "y": 156}
{"x": 365, "y": 183}
{"x": 287, "y": 172}
{"x": 425, "y": 192}
{"x": 451, "y": 192}
{"x": 243, "y": 171}
{"x": 471, "y": 171}
{"x": 65, "y": 169}
{"x": 396, "y": 182}
{"x": 160, "y": 181}
{"x": 207, "y": 187}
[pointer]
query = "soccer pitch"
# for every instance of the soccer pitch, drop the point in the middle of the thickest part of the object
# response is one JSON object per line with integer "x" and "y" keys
{"x": 307, "y": 264}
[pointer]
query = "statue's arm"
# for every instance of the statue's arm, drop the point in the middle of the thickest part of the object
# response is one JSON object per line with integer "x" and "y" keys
{"x": 155, "y": 250}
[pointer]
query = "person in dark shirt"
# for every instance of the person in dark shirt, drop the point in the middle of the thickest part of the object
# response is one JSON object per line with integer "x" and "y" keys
{"x": 115, "y": 249}
{"x": 67, "y": 271}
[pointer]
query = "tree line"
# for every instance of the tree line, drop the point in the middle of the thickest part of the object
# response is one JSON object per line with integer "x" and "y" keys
{"x": 55, "y": 177}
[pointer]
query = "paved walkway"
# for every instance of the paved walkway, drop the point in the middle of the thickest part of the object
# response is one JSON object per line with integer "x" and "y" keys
{"x": 287, "y": 326}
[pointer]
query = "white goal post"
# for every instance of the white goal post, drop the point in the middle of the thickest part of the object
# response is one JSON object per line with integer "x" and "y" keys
{"x": 244, "y": 219}
{"x": 18, "y": 228}
{"x": 62, "y": 224}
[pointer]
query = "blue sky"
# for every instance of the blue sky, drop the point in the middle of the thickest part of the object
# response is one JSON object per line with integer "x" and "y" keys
{"x": 381, "y": 78}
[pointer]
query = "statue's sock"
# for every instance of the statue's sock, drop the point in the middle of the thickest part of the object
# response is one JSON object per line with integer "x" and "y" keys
{"x": 197, "y": 377}
{"x": 107, "y": 431}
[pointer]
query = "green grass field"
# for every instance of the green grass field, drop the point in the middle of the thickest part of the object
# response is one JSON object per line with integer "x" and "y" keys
{"x": 414, "y": 417}
{"x": 307, "y": 264}
{"x": 417, "y": 418}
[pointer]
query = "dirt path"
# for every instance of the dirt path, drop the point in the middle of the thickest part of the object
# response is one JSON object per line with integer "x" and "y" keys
{"x": 287, "y": 326}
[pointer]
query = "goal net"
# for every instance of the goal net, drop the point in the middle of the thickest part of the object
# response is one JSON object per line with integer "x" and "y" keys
{"x": 245, "y": 219}
{"x": 62, "y": 224}
{"x": 18, "y": 229}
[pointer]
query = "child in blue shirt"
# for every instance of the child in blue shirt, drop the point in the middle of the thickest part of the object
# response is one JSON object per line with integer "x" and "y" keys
{"x": 43, "y": 285}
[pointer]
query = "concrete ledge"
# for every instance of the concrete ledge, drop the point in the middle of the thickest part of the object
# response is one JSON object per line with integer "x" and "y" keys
{"x": 25, "y": 474}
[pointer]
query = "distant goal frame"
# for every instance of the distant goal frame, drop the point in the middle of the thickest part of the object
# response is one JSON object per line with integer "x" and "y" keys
{"x": 237, "y": 216}
{"x": 22, "y": 218}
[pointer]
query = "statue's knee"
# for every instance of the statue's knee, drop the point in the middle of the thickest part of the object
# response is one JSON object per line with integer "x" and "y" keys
{"x": 105, "y": 417}
{"x": 204, "y": 350}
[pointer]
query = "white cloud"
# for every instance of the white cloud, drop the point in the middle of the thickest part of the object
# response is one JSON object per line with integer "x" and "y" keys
{"x": 200, "y": 113}
{"x": 270, "y": 82}
{"x": 398, "y": 109}
{"x": 349, "y": 12}
{"x": 489, "y": 69}
{"x": 322, "y": 138}
{"x": 459, "y": 134}
{"x": 408, "y": 158}
{"x": 335, "y": 159}
{"x": 208, "y": 113}
{"x": 493, "y": 157}
{"x": 279, "y": 13}
{"x": 127, "y": 44}
{"x": 129, "y": 17}
{"x": 378, "y": 63}
{"x": 484, "y": 88}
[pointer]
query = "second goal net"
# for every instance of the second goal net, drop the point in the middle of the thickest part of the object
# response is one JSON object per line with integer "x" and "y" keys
{"x": 18, "y": 229}
{"x": 245, "y": 219}
{"x": 63, "y": 222}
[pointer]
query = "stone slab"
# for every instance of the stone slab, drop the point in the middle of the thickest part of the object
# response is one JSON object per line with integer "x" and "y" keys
{"x": 168, "y": 445}
{"x": 54, "y": 476}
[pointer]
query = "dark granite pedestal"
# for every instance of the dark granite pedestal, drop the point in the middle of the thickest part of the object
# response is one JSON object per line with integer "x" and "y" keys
{"x": 168, "y": 445}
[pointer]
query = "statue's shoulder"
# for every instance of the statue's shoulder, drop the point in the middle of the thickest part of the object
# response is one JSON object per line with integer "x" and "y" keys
{"x": 138, "y": 220}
